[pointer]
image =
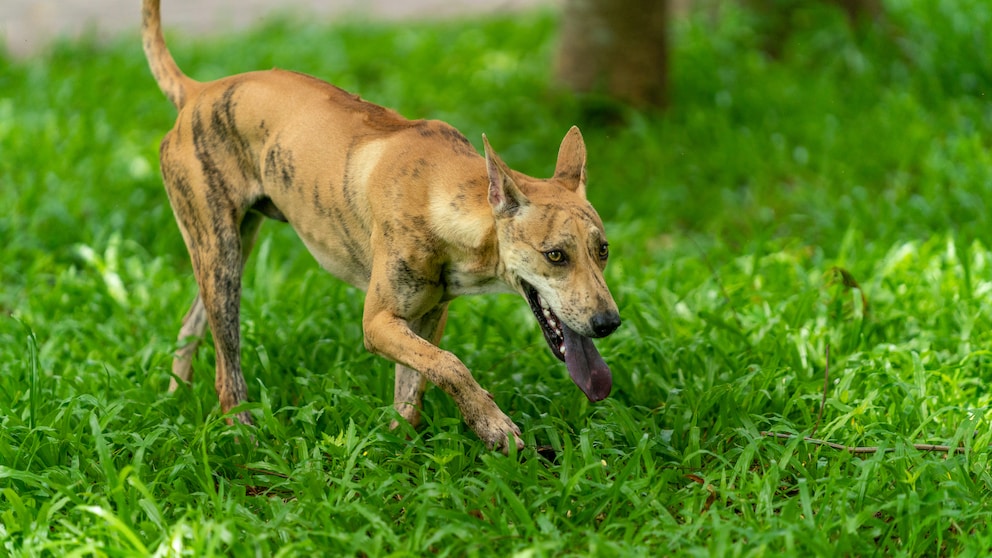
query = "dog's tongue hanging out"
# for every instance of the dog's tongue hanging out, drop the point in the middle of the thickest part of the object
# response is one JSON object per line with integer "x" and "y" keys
{"x": 587, "y": 369}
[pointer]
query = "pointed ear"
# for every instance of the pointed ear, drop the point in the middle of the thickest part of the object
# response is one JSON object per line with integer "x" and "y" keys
{"x": 571, "y": 166}
{"x": 504, "y": 196}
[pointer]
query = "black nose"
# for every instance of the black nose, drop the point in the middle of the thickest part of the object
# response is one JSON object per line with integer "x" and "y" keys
{"x": 605, "y": 323}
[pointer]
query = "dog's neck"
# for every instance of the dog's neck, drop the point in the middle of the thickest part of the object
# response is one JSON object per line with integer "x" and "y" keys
{"x": 462, "y": 219}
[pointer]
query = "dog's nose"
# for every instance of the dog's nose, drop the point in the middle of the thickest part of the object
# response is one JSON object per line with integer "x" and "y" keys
{"x": 605, "y": 323}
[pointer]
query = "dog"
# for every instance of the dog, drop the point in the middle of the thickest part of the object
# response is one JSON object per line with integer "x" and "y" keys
{"x": 405, "y": 210}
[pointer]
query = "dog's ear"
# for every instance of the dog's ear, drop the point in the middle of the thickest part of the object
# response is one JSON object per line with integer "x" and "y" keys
{"x": 571, "y": 165}
{"x": 504, "y": 195}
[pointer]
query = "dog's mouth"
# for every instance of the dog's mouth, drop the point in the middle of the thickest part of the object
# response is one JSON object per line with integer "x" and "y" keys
{"x": 585, "y": 366}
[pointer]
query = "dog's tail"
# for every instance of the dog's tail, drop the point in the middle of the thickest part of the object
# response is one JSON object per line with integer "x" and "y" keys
{"x": 176, "y": 85}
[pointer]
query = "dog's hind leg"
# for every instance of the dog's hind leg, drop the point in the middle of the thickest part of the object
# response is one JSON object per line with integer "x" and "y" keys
{"x": 219, "y": 274}
{"x": 410, "y": 384}
{"x": 195, "y": 322}
{"x": 218, "y": 231}
{"x": 190, "y": 336}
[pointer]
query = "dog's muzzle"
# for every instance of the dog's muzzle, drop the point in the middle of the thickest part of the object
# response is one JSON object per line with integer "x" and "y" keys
{"x": 585, "y": 365}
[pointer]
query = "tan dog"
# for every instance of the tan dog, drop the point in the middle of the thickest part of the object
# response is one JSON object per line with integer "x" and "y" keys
{"x": 405, "y": 210}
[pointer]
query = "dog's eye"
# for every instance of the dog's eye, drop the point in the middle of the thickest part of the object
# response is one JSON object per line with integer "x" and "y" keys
{"x": 556, "y": 257}
{"x": 604, "y": 250}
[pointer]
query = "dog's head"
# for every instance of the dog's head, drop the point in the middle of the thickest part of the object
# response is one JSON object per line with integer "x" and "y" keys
{"x": 553, "y": 250}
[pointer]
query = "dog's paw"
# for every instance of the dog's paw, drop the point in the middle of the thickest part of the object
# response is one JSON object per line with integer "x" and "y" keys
{"x": 496, "y": 429}
{"x": 505, "y": 438}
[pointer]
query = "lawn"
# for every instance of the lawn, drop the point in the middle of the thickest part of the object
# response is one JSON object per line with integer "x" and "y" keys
{"x": 799, "y": 247}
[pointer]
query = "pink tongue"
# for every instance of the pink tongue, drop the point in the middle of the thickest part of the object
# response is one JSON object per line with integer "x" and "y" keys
{"x": 585, "y": 366}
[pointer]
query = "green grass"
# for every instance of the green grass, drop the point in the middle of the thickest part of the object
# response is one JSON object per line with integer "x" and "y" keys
{"x": 730, "y": 218}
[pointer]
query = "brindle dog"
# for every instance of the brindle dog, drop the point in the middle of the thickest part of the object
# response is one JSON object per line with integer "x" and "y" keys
{"x": 405, "y": 210}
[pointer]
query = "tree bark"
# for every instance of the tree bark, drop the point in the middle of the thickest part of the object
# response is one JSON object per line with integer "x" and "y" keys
{"x": 616, "y": 47}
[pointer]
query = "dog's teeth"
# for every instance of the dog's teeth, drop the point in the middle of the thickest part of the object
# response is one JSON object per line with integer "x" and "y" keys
{"x": 562, "y": 349}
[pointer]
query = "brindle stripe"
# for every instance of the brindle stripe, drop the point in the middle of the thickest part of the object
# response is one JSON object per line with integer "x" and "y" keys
{"x": 279, "y": 166}
{"x": 180, "y": 195}
{"x": 321, "y": 208}
{"x": 417, "y": 232}
{"x": 458, "y": 143}
{"x": 217, "y": 190}
{"x": 408, "y": 284}
{"x": 271, "y": 163}
{"x": 590, "y": 214}
{"x": 358, "y": 253}
{"x": 553, "y": 225}
{"x": 223, "y": 125}
{"x": 348, "y": 191}
{"x": 288, "y": 171}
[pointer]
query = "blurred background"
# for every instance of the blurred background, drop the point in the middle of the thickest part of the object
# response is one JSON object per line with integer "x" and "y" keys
{"x": 27, "y": 25}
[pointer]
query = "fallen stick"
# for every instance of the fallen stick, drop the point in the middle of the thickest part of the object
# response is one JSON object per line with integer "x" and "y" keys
{"x": 862, "y": 449}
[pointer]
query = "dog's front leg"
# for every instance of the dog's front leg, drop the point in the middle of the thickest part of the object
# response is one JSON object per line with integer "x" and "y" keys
{"x": 410, "y": 384}
{"x": 390, "y": 335}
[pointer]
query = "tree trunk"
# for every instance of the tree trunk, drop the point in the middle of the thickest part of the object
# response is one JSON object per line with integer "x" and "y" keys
{"x": 616, "y": 47}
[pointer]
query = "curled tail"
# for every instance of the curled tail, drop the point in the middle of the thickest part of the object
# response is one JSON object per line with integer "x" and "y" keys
{"x": 176, "y": 85}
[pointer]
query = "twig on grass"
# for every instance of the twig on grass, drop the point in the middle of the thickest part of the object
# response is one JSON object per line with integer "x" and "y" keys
{"x": 842, "y": 447}
{"x": 862, "y": 449}
{"x": 826, "y": 384}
